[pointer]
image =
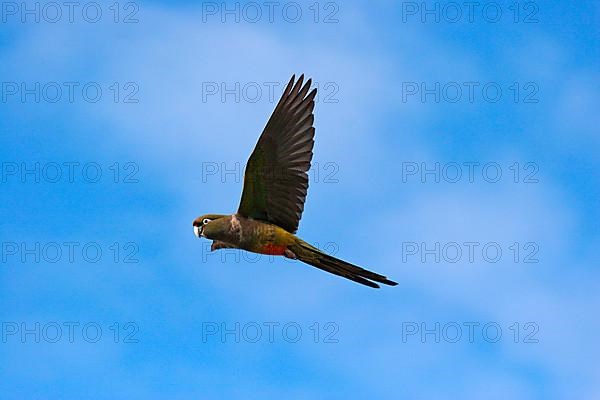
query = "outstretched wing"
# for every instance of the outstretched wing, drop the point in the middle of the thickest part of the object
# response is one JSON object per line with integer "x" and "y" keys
{"x": 276, "y": 179}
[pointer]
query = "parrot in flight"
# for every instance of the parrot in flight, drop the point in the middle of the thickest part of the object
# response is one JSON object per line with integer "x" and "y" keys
{"x": 275, "y": 187}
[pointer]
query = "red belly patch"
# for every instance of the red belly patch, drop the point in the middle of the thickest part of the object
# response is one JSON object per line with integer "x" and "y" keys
{"x": 273, "y": 249}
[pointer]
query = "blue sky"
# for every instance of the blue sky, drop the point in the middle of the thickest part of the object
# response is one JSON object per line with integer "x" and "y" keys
{"x": 155, "y": 315}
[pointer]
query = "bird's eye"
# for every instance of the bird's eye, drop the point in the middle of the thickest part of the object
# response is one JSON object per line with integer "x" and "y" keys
{"x": 205, "y": 221}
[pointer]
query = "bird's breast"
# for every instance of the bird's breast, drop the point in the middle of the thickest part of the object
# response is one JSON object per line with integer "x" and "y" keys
{"x": 263, "y": 238}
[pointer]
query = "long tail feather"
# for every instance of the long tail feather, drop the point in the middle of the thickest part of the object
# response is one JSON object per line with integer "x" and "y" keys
{"x": 313, "y": 256}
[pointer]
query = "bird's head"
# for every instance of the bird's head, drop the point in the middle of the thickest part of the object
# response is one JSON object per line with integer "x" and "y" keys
{"x": 200, "y": 223}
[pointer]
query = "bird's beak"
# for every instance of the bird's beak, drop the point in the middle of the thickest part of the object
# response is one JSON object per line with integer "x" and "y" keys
{"x": 197, "y": 231}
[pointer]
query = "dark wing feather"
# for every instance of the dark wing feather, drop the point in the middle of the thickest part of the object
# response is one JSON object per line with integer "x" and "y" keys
{"x": 276, "y": 179}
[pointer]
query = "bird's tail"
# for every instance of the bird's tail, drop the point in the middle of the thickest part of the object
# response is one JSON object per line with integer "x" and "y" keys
{"x": 313, "y": 256}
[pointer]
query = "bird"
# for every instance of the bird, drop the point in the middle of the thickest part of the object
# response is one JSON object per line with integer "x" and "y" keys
{"x": 275, "y": 186}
